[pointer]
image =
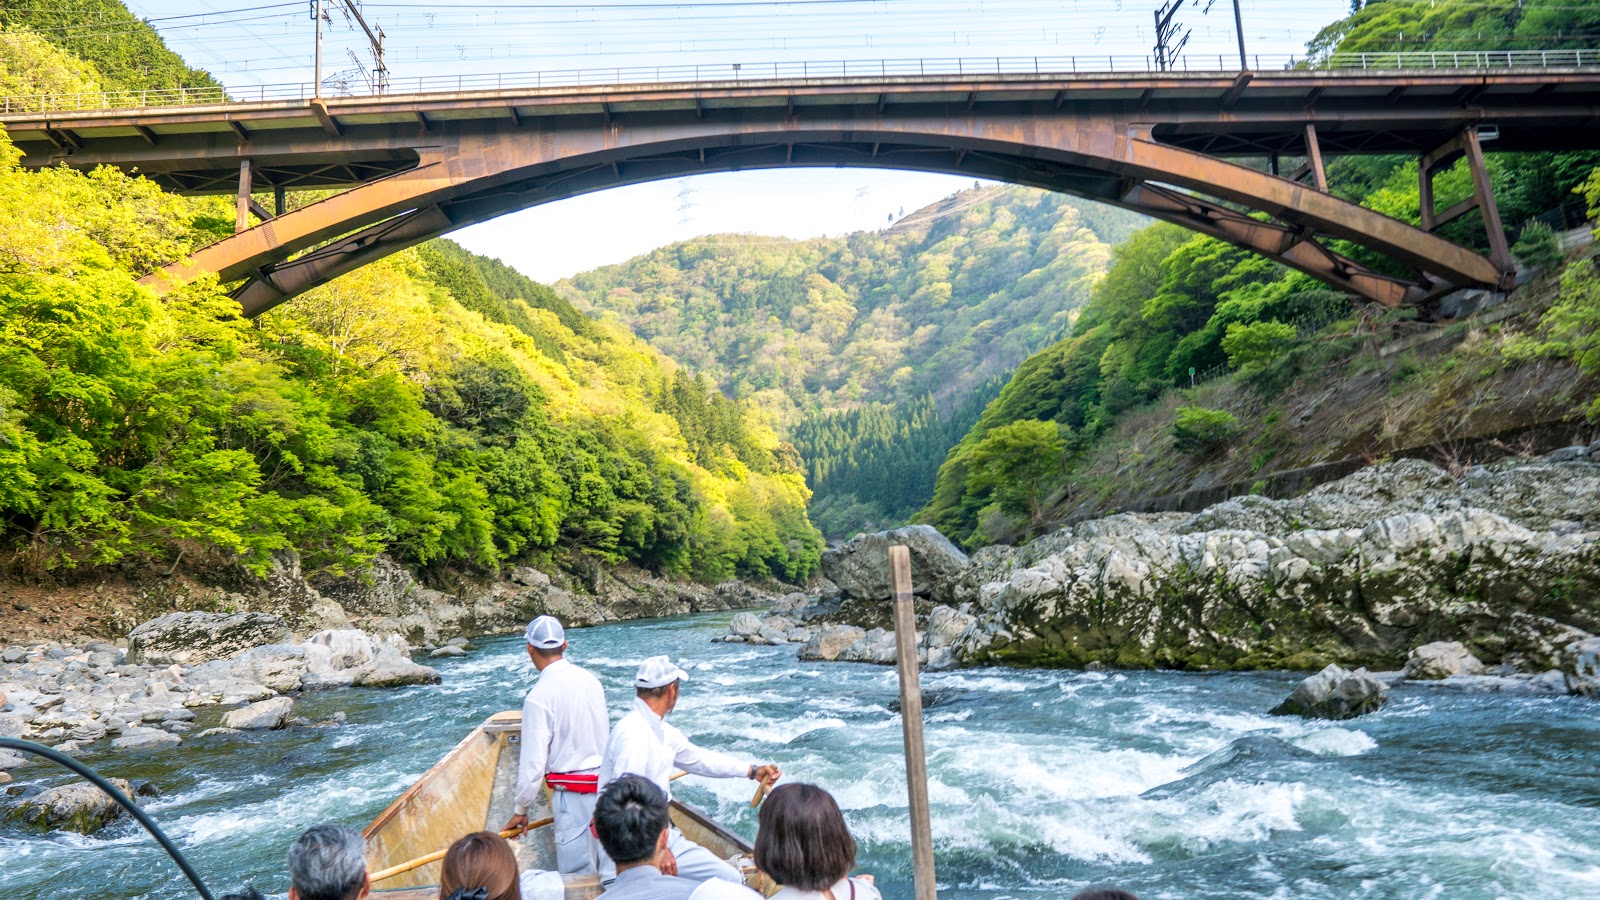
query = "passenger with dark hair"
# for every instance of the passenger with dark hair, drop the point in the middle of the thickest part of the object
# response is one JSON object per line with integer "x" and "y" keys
{"x": 630, "y": 819}
{"x": 1105, "y": 894}
{"x": 480, "y": 866}
{"x": 642, "y": 743}
{"x": 328, "y": 862}
{"x": 804, "y": 845}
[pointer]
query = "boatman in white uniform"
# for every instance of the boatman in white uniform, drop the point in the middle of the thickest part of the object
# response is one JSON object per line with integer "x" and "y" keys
{"x": 642, "y": 743}
{"x": 564, "y": 730}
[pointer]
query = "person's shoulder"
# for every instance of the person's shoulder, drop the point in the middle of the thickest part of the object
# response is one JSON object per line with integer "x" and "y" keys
{"x": 717, "y": 889}
{"x": 863, "y": 889}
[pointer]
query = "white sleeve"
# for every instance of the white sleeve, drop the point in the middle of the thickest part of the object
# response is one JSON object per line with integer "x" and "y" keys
{"x": 700, "y": 761}
{"x": 864, "y": 891}
{"x": 537, "y": 731}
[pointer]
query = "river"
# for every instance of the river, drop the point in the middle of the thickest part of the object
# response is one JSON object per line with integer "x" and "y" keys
{"x": 1043, "y": 782}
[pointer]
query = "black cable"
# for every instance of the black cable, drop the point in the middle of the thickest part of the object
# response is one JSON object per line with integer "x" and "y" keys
{"x": 65, "y": 761}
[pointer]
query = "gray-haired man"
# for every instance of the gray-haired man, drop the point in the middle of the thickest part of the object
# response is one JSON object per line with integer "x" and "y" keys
{"x": 328, "y": 862}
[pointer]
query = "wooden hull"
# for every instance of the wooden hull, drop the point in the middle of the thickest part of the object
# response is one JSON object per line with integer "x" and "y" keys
{"x": 471, "y": 789}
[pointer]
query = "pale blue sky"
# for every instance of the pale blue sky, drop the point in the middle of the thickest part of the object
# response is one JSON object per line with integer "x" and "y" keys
{"x": 252, "y": 42}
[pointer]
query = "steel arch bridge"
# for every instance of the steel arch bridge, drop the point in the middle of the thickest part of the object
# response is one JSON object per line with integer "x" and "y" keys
{"x": 1169, "y": 145}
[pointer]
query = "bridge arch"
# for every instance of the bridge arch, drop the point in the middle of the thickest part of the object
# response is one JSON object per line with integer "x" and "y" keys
{"x": 423, "y": 165}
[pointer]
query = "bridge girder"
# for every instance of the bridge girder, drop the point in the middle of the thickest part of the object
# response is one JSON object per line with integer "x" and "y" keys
{"x": 423, "y": 165}
{"x": 474, "y": 171}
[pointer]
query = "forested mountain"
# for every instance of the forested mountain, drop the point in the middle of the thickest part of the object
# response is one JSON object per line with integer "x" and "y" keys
{"x": 1173, "y": 301}
{"x": 873, "y": 351}
{"x": 122, "y": 51}
{"x": 435, "y": 405}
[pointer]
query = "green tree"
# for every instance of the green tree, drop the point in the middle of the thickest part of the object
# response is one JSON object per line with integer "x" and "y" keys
{"x": 1252, "y": 347}
{"x": 1201, "y": 432}
{"x": 1017, "y": 465}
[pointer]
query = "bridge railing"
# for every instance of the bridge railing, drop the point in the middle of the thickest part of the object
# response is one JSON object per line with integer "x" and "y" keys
{"x": 1404, "y": 61}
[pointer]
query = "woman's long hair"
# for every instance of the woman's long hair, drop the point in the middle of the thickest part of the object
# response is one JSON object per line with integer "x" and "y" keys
{"x": 480, "y": 861}
{"x": 803, "y": 841}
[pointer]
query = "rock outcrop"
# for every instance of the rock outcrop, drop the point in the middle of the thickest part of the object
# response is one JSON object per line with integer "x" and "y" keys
{"x": 1498, "y": 567}
{"x": 1335, "y": 693}
{"x": 188, "y": 638}
{"x": 860, "y": 566}
{"x": 267, "y": 715}
{"x": 1582, "y": 667}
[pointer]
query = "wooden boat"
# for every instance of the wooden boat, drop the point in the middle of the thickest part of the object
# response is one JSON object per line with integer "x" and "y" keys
{"x": 471, "y": 789}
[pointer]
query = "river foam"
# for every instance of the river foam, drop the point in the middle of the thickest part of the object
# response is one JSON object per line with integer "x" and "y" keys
{"x": 1042, "y": 782}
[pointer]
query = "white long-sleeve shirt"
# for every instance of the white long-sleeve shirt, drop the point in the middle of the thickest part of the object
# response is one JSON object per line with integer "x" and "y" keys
{"x": 644, "y": 744}
{"x": 564, "y": 729}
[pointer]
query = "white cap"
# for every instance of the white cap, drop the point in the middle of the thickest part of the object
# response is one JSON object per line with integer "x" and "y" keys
{"x": 658, "y": 671}
{"x": 545, "y": 633}
{"x": 717, "y": 889}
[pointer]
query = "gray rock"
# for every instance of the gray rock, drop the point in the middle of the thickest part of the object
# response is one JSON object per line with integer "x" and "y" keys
{"x": 265, "y": 715}
{"x": 10, "y": 759}
{"x": 1538, "y": 643}
{"x": 190, "y": 638}
{"x": 394, "y": 669}
{"x": 828, "y": 641}
{"x": 276, "y": 666}
{"x": 1568, "y": 454}
{"x": 1442, "y": 659}
{"x": 530, "y": 577}
{"x": 212, "y": 732}
{"x": 77, "y": 806}
{"x": 744, "y": 625}
{"x": 789, "y": 604}
{"x": 447, "y": 651}
{"x": 146, "y": 739}
{"x": 1334, "y": 693}
{"x": 1582, "y": 668}
{"x": 860, "y": 566}
{"x": 774, "y": 635}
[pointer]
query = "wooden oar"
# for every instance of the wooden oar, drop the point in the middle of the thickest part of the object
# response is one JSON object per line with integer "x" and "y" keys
{"x": 761, "y": 794}
{"x": 421, "y": 861}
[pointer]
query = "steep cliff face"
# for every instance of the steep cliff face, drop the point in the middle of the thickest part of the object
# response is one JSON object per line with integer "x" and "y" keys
{"x": 1505, "y": 559}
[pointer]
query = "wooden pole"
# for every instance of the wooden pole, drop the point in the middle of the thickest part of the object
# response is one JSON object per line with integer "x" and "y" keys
{"x": 905, "y": 641}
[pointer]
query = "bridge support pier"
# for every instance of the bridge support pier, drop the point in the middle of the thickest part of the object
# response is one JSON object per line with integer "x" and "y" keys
{"x": 241, "y": 219}
{"x": 1466, "y": 144}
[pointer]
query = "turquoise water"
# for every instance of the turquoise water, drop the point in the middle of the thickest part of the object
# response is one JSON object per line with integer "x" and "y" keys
{"x": 1043, "y": 782}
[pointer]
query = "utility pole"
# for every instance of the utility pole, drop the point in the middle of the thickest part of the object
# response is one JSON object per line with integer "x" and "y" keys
{"x": 1166, "y": 51}
{"x": 380, "y": 69}
{"x": 316, "y": 84}
{"x": 1238, "y": 29}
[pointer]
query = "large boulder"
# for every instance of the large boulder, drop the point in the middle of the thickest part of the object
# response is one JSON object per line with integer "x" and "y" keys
{"x": 1335, "y": 693}
{"x": 860, "y": 566}
{"x": 392, "y": 668}
{"x": 265, "y": 715}
{"x": 744, "y": 625}
{"x": 828, "y": 641}
{"x": 276, "y": 666}
{"x": 190, "y": 638}
{"x": 77, "y": 806}
{"x": 1442, "y": 659}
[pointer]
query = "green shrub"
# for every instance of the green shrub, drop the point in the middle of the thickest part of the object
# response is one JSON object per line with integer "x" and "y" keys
{"x": 1201, "y": 432}
{"x": 1253, "y": 347}
{"x": 1538, "y": 246}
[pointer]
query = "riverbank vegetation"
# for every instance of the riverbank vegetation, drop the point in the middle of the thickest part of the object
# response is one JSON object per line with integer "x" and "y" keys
{"x": 436, "y": 406}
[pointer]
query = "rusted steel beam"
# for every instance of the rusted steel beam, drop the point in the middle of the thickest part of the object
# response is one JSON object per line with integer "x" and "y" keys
{"x": 149, "y": 136}
{"x": 1231, "y": 98}
{"x": 330, "y": 125}
{"x": 1314, "y": 159}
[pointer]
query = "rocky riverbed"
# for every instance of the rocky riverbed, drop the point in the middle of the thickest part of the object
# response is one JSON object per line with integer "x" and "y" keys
{"x": 1502, "y": 560}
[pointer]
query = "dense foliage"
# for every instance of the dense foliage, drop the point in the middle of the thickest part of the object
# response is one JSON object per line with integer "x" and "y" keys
{"x": 843, "y": 341}
{"x": 114, "y": 49}
{"x": 1173, "y": 303}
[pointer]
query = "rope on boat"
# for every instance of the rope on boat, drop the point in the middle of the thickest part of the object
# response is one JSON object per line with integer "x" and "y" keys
{"x": 139, "y": 815}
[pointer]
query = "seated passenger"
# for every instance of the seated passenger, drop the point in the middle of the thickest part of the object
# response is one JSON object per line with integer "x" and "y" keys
{"x": 480, "y": 866}
{"x": 328, "y": 862}
{"x": 630, "y": 819}
{"x": 804, "y": 845}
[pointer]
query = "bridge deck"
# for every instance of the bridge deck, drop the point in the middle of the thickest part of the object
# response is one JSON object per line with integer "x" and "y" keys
{"x": 197, "y": 149}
